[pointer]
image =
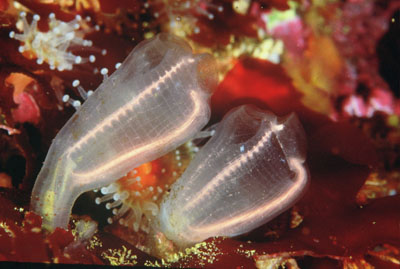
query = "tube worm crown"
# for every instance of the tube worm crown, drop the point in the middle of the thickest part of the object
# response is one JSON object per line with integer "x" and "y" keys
{"x": 157, "y": 100}
{"x": 250, "y": 171}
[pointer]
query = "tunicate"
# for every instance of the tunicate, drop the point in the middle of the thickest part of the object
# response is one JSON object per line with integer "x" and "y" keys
{"x": 250, "y": 171}
{"x": 156, "y": 100}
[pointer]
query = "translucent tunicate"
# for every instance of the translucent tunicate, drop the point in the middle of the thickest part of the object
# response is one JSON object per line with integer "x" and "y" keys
{"x": 155, "y": 101}
{"x": 250, "y": 171}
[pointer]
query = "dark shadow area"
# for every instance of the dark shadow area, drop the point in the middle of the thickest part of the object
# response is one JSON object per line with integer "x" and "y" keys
{"x": 388, "y": 50}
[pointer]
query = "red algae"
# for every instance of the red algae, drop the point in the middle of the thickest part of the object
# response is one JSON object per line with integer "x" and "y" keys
{"x": 261, "y": 75}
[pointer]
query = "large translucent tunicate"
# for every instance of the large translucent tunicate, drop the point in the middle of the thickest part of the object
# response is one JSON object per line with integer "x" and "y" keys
{"x": 250, "y": 171}
{"x": 157, "y": 100}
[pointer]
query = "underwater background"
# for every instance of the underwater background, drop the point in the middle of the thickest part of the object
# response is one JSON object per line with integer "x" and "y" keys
{"x": 336, "y": 64}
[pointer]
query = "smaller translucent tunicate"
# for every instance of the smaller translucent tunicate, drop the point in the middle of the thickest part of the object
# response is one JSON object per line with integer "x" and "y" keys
{"x": 250, "y": 171}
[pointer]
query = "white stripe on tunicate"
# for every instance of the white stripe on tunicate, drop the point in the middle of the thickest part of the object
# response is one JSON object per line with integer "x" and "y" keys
{"x": 129, "y": 106}
{"x": 269, "y": 207}
{"x": 234, "y": 165}
{"x": 151, "y": 145}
